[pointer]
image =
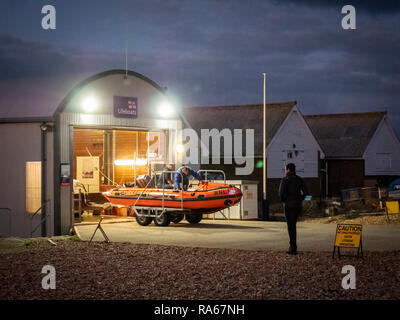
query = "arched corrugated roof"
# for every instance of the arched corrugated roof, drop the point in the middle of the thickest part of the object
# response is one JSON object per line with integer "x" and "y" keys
{"x": 100, "y": 75}
{"x": 43, "y": 98}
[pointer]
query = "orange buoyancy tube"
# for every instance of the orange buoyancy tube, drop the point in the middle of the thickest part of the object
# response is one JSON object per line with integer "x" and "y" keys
{"x": 207, "y": 196}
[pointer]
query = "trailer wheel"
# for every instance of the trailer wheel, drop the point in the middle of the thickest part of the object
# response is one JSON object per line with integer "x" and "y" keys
{"x": 143, "y": 220}
{"x": 194, "y": 218}
{"x": 162, "y": 220}
{"x": 176, "y": 217}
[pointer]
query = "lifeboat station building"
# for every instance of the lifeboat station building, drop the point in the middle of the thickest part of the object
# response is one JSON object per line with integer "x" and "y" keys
{"x": 106, "y": 131}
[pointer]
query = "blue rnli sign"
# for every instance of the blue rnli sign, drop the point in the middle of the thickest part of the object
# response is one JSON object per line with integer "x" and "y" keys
{"x": 125, "y": 107}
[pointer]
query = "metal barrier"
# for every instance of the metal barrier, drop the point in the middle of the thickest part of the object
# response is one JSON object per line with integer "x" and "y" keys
{"x": 163, "y": 182}
{"x": 365, "y": 193}
{"x": 221, "y": 211}
{"x": 143, "y": 191}
{"x": 9, "y": 219}
{"x": 157, "y": 211}
{"x": 223, "y": 172}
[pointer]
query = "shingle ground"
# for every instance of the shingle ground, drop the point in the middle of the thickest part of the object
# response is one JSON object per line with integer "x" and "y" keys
{"x": 130, "y": 271}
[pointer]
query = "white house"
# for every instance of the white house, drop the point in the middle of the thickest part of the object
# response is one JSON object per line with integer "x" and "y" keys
{"x": 289, "y": 139}
{"x": 382, "y": 154}
{"x": 293, "y": 142}
{"x": 361, "y": 149}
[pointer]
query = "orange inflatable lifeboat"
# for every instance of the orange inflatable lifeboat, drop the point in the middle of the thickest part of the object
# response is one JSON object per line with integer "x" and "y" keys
{"x": 165, "y": 205}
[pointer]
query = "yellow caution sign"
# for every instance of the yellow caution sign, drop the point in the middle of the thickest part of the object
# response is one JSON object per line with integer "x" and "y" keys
{"x": 392, "y": 207}
{"x": 348, "y": 235}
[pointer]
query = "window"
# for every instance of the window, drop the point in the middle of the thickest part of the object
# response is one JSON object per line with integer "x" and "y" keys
{"x": 383, "y": 161}
{"x": 33, "y": 186}
{"x": 294, "y": 156}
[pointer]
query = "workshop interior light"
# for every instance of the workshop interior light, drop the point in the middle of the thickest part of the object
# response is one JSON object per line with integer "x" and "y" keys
{"x": 89, "y": 104}
{"x": 166, "y": 109}
{"x": 179, "y": 148}
{"x": 139, "y": 162}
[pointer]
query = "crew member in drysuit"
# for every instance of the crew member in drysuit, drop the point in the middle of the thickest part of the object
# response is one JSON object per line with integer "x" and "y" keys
{"x": 292, "y": 192}
{"x": 186, "y": 173}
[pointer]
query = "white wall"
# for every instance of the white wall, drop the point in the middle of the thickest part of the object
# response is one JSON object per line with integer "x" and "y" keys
{"x": 294, "y": 131}
{"x": 382, "y": 156}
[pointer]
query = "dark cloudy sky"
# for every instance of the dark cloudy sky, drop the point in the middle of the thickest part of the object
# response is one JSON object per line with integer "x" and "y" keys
{"x": 207, "y": 52}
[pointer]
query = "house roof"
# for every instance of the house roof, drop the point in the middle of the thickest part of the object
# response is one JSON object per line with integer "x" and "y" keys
{"x": 240, "y": 117}
{"x": 344, "y": 135}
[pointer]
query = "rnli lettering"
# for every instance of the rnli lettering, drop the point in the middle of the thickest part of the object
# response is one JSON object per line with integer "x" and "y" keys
{"x": 125, "y": 107}
{"x": 221, "y": 192}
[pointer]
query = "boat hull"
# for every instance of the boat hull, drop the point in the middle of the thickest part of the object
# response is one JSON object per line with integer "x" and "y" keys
{"x": 208, "y": 197}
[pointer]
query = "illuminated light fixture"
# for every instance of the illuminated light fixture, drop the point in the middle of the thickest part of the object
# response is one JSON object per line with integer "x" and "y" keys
{"x": 179, "y": 148}
{"x": 139, "y": 162}
{"x": 166, "y": 109}
{"x": 89, "y": 104}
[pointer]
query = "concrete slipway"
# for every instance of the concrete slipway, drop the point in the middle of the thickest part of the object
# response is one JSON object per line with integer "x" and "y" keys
{"x": 248, "y": 235}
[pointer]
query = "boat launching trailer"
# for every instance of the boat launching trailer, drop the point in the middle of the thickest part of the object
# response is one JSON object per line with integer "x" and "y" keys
{"x": 163, "y": 216}
{"x": 170, "y": 205}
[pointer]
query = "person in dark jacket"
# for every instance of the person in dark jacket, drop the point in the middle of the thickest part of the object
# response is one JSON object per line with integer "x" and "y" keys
{"x": 166, "y": 179}
{"x": 292, "y": 192}
{"x": 186, "y": 173}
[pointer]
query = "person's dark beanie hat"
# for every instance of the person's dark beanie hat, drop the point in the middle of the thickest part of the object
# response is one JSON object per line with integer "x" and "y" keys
{"x": 291, "y": 167}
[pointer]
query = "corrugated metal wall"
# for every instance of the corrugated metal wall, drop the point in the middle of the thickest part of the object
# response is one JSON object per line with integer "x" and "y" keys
{"x": 104, "y": 89}
{"x": 21, "y": 143}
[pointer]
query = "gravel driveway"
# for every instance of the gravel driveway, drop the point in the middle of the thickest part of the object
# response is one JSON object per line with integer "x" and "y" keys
{"x": 141, "y": 271}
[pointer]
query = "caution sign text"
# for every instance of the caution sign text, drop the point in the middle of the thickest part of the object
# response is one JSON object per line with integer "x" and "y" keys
{"x": 348, "y": 235}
